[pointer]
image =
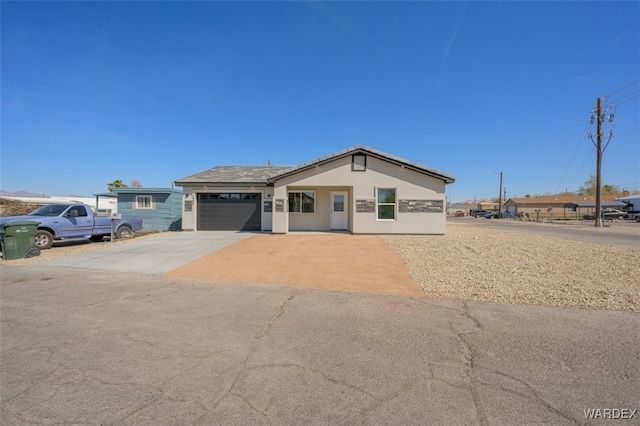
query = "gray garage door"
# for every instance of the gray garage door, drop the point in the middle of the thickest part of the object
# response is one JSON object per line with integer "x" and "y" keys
{"x": 229, "y": 212}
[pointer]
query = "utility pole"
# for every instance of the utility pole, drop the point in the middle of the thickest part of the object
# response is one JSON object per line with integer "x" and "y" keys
{"x": 599, "y": 117}
{"x": 599, "y": 163}
{"x": 499, "y": 195}
{"x": 500, "y": 199}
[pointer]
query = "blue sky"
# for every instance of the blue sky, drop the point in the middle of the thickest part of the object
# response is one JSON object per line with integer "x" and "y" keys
{"x": 156, "y": 91}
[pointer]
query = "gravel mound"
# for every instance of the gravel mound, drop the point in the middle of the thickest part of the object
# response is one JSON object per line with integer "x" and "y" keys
{"x": 496, "y": 266}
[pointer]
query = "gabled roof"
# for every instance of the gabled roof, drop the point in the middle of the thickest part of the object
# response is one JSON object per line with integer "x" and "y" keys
{"x": 361, "y": 149}
{"x": 233, "y": 174}
{"x": 261, "y": 175}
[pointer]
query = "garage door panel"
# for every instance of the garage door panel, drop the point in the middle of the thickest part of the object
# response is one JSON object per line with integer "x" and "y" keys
{"x": 229, "y": 214}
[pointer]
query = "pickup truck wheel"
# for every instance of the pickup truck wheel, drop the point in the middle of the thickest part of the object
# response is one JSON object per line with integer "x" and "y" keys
{"x": 637, "y": 219}
{"x": 43, "y": 239}
{"x": 124, "y": 232}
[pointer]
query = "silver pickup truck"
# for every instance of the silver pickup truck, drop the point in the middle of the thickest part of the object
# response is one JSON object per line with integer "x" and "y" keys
{"x": 72, "y": 221}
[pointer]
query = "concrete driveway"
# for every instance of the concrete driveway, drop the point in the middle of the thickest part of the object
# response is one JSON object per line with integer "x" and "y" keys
{"x": 155, "y": 255}
{"x": 122, "y": 348}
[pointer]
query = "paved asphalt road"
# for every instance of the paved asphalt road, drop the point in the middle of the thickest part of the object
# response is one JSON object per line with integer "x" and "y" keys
{"x": 132, "y": 347}
{"x": 621, "y": 234}
{"x": 80, "y": 347}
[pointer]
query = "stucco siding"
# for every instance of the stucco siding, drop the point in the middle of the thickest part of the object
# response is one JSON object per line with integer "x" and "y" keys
{"x": 423, "y": 198}
{"x": 320, "y": 220}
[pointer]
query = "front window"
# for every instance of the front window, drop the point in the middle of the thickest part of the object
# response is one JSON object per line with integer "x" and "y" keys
{"x": 143, "y": 202}
{"x": 386, "y": 203}
{"x": 302, "y": 202}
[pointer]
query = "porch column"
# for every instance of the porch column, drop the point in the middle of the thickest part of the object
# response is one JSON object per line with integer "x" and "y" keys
{"x": 280, "y": 224}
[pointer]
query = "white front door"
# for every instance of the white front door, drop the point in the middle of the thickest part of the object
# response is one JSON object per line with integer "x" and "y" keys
{"x": 339, "y": 210}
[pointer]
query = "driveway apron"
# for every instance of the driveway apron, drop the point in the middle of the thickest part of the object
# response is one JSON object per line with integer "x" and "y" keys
{"x": 341, "y": 262}
{"x": 154, "y": 255}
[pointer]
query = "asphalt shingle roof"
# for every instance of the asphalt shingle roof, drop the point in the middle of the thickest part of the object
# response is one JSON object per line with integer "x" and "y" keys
{"x": 234, "y": 174}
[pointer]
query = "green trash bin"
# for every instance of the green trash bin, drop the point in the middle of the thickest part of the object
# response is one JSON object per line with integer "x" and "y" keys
{"x": 18, "y": 240}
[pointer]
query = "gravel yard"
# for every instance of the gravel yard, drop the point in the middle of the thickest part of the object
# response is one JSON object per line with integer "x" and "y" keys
{"x": 475, "y": 263}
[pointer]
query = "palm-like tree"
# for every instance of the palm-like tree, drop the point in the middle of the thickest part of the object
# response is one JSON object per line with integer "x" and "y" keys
{"x": 118, "y": 183}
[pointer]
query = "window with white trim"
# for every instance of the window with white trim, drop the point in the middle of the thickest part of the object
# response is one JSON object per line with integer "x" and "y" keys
{"x": 302, "y": 202}
{"x": 386, "y": 203}
{"x": 144, "y": 202}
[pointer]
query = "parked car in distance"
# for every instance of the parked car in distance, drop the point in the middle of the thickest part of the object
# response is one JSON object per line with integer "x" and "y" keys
{"x": 479, "y": 213}
{"x": 492, "y": 215}
{"x": 460, "y": 213}
{"x": 606, "y": 214}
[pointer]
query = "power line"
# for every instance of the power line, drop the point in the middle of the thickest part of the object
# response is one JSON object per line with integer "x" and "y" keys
{"x": 628, "y": 183}
{"x": 628, "y": 100}
{"x": 573, "y": 156}
{"x": 583, "y": 163}
{"x": 626, "y": 96}
{"x": 622, "y": 88}
{"x": 624, "y": 133}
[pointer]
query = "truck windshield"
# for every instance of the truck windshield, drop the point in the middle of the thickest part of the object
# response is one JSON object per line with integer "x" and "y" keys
{"x": 50, "y": 210}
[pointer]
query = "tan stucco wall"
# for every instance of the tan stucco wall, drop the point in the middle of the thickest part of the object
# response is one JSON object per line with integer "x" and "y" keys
{"x": 410, "y": 185}
{"x": 321, "y": 219}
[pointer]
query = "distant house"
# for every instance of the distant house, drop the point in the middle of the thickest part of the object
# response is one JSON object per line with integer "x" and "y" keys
{"x": 160, "y": 208}
{"x": 558, "y": 206}
{"x": 488, "y": 205}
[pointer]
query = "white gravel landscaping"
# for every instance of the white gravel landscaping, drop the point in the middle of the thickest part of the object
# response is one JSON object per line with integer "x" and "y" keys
{"x": 483, "y": 264}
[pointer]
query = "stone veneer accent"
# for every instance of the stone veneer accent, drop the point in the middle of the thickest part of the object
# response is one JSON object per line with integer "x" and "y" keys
{"x": 421, "y": 206}
{"x": 365, "y": 206}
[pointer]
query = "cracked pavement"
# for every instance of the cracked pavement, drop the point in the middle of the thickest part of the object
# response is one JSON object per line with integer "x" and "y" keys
{"x": 80, "y": 347}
